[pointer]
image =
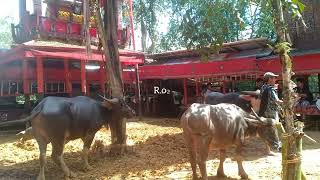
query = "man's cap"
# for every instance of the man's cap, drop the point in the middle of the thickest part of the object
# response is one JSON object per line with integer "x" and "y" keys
{"x": 267, "y": 75}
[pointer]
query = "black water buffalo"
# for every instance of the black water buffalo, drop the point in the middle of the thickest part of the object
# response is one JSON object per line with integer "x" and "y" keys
{"x": 57, "y": 120}
{"x": 220, "y": 126}
{"x": 246, "y": 100}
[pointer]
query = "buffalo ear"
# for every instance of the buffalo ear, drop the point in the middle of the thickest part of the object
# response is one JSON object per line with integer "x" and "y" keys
{"x": 246, "y": 97}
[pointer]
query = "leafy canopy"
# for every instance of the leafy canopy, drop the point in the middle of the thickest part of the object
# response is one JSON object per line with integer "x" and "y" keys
{"x": 207, "y": 24}
{"x": 5, "y": 32}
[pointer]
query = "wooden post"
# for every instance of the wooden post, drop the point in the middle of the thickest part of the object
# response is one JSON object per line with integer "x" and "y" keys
{"x": 68, "y": 86}
{"x": 102, "y": 77}
{"x": 26, "y": 83}
{"x": 83, "y": 77}
{"x": 224, "y": 87}
{"x": 1, "y": 87}
{"x": 138, "y": 93}
{"x": 185, "y": 92}
{"x": 197, "y": 87}
{"x": 319, "y": 82}
{"x": 40, "y": 74}
{"x": 9, "y": 87}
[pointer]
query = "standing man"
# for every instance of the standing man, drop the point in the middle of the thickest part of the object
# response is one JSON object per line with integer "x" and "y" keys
{"x": 270, "y": 101}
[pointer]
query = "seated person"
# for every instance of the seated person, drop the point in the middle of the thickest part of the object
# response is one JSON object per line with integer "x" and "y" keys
{"x": 304, "y": 93}
{"x": 207, "y": 90}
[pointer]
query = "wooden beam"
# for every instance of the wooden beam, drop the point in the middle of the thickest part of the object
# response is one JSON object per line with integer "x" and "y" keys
{"x": 40, "y": 78}
{"x": 185, "y": 92}
{"x": 103, "y": 78}
{"x": 224, "y": 87}
{"x": 197, "y": 87}
{"x": 68, "y": 86}
{"x": 9, "y": 88}
{"x": 83, "y": 77}
{"x": 138, "y": 92}
{"x": 25, "y": 78}
{"x": 1, "y": 93}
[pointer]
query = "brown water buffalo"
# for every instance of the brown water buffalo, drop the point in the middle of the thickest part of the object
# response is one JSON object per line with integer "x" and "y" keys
{"x": 220, "y": 126}
{"x": 57, "y": 120}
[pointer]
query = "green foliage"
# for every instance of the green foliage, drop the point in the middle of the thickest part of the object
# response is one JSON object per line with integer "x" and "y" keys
{"x": 313, "y": 83}
{"x": 5, "y": 32}
{"x": 147, "y": 12}
{"x": 263, "y": 25}
{"x": 199, "y": 24}
{"x": 246, "y": 85}
{"x": 283, "y": 48}
{"x": 21, "y": 99}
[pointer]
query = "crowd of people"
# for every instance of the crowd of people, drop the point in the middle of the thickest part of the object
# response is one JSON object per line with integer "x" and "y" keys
{"x": 272, "y": 86}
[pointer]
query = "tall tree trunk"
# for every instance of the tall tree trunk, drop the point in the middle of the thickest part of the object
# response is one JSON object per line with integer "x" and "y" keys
{"x": 290, "y": 159}
{"x": 108, "y": 34}
{"x": 143, "y": 36}
{"x": 111, "y": 49}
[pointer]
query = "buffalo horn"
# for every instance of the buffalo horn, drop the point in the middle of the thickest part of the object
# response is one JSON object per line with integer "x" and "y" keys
{"x": 256, "y": 115}
{"x": 113, "y": 100}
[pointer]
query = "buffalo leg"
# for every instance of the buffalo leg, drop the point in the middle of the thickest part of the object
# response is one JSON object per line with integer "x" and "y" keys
{"x": 220, "y": 172}
{"x": 204, "y": 150}
{"x": 192, "y": 154}
{"x": 43, "y": 148}
{"x": 57, "y": 156}
{"x": 87, "y": 141}
{"x": 241, "y": 171}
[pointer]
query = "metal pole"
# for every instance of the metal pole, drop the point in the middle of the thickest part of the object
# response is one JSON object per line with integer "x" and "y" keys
{"x": 138, "y": 91}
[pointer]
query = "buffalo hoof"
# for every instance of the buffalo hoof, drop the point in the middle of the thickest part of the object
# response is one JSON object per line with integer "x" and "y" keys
{"x": 244, "y": 176}
{"x": 41, "y": 177}
{"x": 87, "y": 168}
{"x": 221, "y": 174}
{"x": 71, "y": 175}
{"x": 117, "y": 149}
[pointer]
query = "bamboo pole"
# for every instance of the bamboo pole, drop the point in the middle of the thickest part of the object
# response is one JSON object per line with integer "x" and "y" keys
{"x": 299, "y": 150}
{"x": 284, "y": 151}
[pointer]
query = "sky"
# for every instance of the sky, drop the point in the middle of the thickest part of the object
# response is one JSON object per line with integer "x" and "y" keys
{"x": 11, "y": 9}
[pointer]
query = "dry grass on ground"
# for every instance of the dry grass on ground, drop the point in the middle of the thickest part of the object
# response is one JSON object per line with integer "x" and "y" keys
{"x": 159, "y": 153}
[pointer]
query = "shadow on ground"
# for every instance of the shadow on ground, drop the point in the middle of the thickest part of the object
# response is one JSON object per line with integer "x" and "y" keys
{"x": 162, "y": 122}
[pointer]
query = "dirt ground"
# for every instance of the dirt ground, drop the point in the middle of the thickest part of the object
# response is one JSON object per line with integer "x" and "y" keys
{"x": 159, "y": 152}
